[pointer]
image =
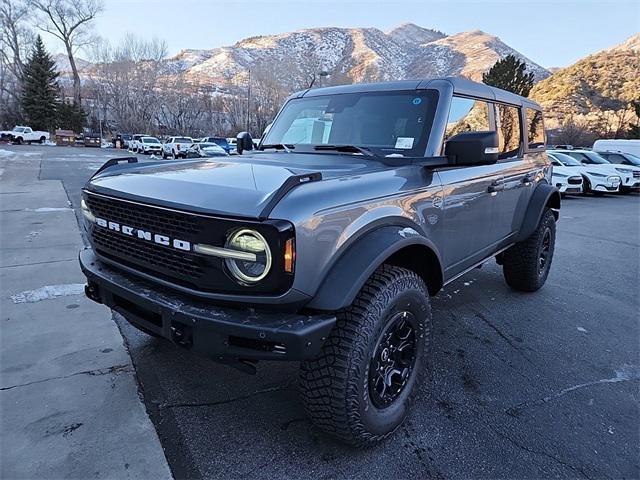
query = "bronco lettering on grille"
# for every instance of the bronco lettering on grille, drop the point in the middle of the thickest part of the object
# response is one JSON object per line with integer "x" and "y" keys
{"x": 144, "y": 235}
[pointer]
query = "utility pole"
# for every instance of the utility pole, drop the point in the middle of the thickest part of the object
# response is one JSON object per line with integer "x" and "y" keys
{"x": 248, "y": 97}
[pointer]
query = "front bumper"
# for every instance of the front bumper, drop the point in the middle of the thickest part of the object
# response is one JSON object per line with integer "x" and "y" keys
{"x": 215, "y": 331}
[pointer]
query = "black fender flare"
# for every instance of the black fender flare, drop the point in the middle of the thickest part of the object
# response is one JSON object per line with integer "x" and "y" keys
{"x": 543, "y": 196}
{"x": 363, "y": 256}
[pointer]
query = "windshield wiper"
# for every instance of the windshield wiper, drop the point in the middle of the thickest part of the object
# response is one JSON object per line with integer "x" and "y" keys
{"x": 279, "y": 146}
{"x": 345, "y": 148}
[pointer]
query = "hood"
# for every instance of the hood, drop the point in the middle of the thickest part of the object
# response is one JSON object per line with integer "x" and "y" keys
{"x": 242, "y": 187}
{"x": 564, "y": 171}
{"x": 604, "y": 169}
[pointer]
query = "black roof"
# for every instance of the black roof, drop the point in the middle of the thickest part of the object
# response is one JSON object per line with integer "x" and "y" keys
{"x": 461, "y": 86}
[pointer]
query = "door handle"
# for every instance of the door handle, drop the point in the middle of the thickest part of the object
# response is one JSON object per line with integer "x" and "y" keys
{"x": 496, "y": 186}
{"x": 528, "y": 178}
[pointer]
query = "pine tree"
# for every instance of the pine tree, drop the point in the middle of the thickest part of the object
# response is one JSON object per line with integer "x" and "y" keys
{"x": 634, "y": 128}
{"x": 40, "y": 89}
{"x": 509, "y": 74}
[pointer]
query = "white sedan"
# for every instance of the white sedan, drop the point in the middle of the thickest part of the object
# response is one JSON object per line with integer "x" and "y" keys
{"x": 597, "y": 178}
{"x": 566, "y": 180}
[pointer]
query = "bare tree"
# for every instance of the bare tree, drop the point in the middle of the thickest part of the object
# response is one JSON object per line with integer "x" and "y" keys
{"x": 69, "y": 21}
{"x": 15, "y": 39}
{"x": 126, "y": 79}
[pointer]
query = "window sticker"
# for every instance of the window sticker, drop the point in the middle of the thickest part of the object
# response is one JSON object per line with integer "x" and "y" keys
{"x": 405, "y": 143}
{"x": 417, "y": 101}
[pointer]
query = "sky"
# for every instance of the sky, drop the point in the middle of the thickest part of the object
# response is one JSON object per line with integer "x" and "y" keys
{"x": 551, "y": 33}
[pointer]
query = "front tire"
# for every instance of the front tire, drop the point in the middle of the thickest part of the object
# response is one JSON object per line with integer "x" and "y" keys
{"x": 526, "y": 265}
{"x": 368, "y": 373}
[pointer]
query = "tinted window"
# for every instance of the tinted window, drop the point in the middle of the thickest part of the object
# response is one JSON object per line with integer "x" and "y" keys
{"x": 619, "y": 158}
{"x": 535, "y": 128}
{"x": 508, "y": 121}
{"x": 467, "y": 115}
{"x": 182, "y": 140}
{"x": 384, "y": 122}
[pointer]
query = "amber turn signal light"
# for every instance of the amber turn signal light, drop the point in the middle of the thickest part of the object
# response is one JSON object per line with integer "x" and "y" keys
{"x": 289, "y": 255}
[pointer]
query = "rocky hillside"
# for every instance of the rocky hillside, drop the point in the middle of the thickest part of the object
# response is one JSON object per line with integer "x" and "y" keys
{"x": 594, "y": 91}
{"x": 349, "y": 55}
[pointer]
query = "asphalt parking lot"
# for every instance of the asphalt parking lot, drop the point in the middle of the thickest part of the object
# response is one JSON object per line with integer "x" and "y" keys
{"x": 526, "y": 385}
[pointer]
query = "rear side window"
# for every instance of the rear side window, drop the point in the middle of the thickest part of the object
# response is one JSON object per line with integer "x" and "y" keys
{"x": 509, "y": 132}
{"x": 535, "y": 129}
{"x": 615, "y": 158}
{"x": 467, "y": 115}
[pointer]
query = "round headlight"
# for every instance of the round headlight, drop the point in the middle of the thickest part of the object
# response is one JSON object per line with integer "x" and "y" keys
{"x": 249, "y": 241}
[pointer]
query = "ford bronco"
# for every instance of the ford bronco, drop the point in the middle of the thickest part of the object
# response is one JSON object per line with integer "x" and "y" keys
{"x": 324, "y": 244}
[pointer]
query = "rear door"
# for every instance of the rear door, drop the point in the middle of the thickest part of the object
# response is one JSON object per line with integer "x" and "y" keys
{"x": 517, "y": 168}
{"x": 470, "y": 192}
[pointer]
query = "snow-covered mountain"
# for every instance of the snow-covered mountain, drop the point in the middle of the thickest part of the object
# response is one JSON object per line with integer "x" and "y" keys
{"x": 349, "y": 55}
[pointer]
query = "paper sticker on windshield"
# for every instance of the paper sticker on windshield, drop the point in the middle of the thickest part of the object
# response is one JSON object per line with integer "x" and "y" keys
{"x": 405, "y": 143}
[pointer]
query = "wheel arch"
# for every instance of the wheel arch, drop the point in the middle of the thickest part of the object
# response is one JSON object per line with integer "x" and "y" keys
{"x": 544, "y": 196}
{"x": 394, "y": 245}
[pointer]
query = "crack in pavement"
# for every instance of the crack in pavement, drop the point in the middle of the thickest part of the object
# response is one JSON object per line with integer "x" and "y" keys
{"x": 539, "y": 452}
{"x": 626, "y": 373}
{"x": 114, "y": 370}
{"x": 28, "y": 264}
{"x": 503, "y": 336}
{"x": 229, "y": 400}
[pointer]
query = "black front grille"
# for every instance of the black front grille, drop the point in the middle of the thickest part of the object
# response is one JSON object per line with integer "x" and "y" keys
{"x": 152, "y": 255}
{"x": 166, "y": 222}
{"x": 181, "y": 267}
{"x": 636, "y": 174}
{"x": 575, "y": 180}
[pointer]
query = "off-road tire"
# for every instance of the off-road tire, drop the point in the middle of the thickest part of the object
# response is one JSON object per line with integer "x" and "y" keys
{"x": 334, "y": 386}
{"x": 521, "y": 263}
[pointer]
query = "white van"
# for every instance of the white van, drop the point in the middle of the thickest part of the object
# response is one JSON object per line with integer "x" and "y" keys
{"x": 624, "y": 146}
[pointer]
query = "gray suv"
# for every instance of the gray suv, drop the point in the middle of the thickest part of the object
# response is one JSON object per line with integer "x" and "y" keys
{"x": 324, "y": 245}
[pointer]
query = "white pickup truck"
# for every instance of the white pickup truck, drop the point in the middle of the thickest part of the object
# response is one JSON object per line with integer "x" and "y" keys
{"x": 21, "y": 134}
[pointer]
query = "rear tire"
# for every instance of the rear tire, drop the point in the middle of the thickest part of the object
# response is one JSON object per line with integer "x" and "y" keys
{"x": 368, "y": 373}
{"x": 42, "y": 140}
{"x": 526, "y": 265}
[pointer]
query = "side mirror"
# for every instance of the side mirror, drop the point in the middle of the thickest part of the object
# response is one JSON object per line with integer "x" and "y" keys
{"x": 245, "y": 142}
{"x": 472, "y": 148}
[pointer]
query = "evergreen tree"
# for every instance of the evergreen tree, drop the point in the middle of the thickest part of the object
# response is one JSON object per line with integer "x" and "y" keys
{"x": 40, "y": 89}
{"x": 71, "y": 116}
{"x": 634, "y": 128}
{"x": 509, "y": 74}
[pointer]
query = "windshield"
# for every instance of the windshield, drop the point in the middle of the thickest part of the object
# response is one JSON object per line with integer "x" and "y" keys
{"x": 18, "y": 129}
{"x": 588, "y": 157}
{"x": 383, "y": 122}
{"x": 150, "y": 140}
{"x": 221, "y": 141}
{"x": 634, "y": 159}
{"x": 566, "y": 159}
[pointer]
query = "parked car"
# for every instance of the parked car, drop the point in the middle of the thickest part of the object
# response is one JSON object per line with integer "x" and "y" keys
{"x": 629, "y": 175}
{"x": 565, "y": 179}
{"x": 176, "y": 147}
{"x": 597, "y": 178}
{"x": 624, "y": 146}
{"x": 327, "y": 251}
{"x": 134, "y": 144}
{"x": 221, "y": 141}
{"x": 21, "y": 134}
{"x": 149, "y": 145}
{"x": 205, "y": 149}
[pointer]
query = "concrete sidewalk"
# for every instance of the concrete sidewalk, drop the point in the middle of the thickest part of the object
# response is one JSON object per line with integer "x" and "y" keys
{"x": 69, "y": 402}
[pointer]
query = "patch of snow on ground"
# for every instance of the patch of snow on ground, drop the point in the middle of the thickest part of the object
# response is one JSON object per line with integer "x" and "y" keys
{"x": 47, "y": 209}
{"x": 6, "y": 153}
{"x": 47, "y": 292}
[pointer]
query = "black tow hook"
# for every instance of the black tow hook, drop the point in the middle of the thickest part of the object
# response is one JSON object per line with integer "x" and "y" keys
{"x": 182, "y": 335}
{"x": 92, "y": 291}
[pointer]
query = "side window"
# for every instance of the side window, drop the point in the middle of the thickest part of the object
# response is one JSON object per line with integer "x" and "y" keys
{"x": 615, "y": 158}
{"x": 467, "y": 115}
{"x": 509, "y": 132}
{"x": 535, "y": 129}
